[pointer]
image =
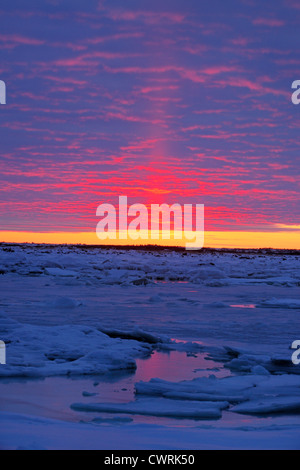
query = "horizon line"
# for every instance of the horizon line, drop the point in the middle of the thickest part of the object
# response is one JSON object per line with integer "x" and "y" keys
{"x": 238, "y": 239}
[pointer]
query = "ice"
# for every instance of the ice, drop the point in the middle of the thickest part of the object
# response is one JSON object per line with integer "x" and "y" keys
{"x": 280, "y": 303}
{"x": 136, "y": 333}
{"x": 216, "y": 305}
{"x": 41, "y": 351}
{"x": 269, "y": 405}
{"x": 231, "y": 389}
{"x": 118, "y": 420}
{"x": 250, "y": 394}
{"x": 19, "y": 431}
{"x": 76, "y": 312}
{"x": 239, "y": 360}
{"x": 275, "y": 364}
{"x": 159, "y": 407}
{"x": 64, "y": 302}
{"x": 88, "y": 394}
{"x": 204, "y": 273}
{"x": 259, "y": 370}
{"x": 155, "y": 298}
{"x": 211, "y": 268}
{"x": 60, "y": 272}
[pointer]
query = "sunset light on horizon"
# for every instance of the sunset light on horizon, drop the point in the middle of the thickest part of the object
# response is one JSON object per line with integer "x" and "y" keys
{"x": 156, "y": 100}
{"x": 214, "y": 239}
{"x": 149, "y": 227}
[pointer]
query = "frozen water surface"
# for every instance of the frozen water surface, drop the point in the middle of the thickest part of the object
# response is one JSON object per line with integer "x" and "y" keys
{"x": 164, "y": 348}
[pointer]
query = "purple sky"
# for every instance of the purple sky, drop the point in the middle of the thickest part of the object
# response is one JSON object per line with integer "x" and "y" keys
{"x": 165, "y": 101}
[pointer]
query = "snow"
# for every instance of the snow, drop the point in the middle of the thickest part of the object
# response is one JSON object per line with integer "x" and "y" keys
{"x": 159, "y": 407}
{"x": 255, "y": 394}
{"x": 233, "y": 389}
{"x": 60, "y": 272}
{"x": 41, "y": 351}
{"x": 280, "y": 303}
{"x": 97, "y": 314}
{"x": 33, "y": 433}
{"x": 269, "y": 405}
{"x": 115, "y": 266}
{"x": 64, "y": 302}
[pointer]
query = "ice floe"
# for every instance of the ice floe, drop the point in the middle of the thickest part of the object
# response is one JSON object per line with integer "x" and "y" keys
{"x": 256, "y": 394}
{"x": 41, "y": 351}
{"x": 158, "y": 407}
{"x": 213, "y": 268}
{"x": 280, "y": 303}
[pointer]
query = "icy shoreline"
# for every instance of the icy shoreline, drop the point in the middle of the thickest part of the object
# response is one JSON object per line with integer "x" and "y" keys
{"x": 80, "y": 313}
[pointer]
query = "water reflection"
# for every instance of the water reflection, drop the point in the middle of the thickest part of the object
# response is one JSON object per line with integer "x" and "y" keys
{"x": 51, "y": 397}
{"x": 243, "y": 305}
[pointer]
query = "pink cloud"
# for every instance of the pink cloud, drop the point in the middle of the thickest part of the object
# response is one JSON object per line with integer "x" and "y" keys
{"x": 14, "y": 40}
{"x": 197, "y": 76}
{"x": 241, "y": 41}
{"x": 217, "y": 69}
{"x": 91, "y": 58}
{"x": 146, "y": 16}
{"x": 293, "y": 4}
{"x": 113, "y": 37}
{"x": 70, "y": 80}
{"x": 150, "y": 89}
{"x": 278, "y": 166}
{"x": 272, "y": 22}
{"x": 196, "y": 49}
{"x": 252, "y": 86}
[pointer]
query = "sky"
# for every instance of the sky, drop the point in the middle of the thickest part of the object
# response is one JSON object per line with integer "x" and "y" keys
{"x": 169, "y": 101}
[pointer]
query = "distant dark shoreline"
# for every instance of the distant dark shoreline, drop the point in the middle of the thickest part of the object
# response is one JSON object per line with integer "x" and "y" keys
{"x": 154, "y": 248}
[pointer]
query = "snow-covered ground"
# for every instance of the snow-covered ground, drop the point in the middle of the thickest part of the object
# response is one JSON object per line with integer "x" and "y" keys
{"x": 124, "y": 349}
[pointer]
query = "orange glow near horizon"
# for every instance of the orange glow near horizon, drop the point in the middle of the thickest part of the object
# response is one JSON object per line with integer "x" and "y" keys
{"x": 213, "y": 239}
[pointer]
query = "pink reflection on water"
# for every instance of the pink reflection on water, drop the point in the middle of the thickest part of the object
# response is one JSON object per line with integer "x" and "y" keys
{"x": 243, "y": 305}
{"x": 175, "y": 366}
